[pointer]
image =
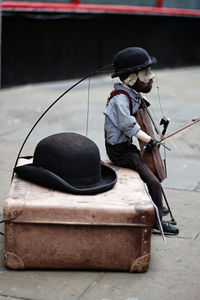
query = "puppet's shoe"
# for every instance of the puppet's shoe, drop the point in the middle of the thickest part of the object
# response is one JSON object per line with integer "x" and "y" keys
{"x": 168, "y": 228}
{"x": 165, "y": 211}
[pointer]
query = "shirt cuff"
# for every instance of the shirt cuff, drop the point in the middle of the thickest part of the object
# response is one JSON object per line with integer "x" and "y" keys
{"x": 130, "y": 133}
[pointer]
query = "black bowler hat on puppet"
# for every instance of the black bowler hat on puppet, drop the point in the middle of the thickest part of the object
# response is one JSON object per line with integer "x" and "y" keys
{"x": 132, "y": 60}
{"x": 68, "y": 162}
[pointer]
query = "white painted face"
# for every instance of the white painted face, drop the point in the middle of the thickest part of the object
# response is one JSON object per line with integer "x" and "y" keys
{"x": 146, "y": 75}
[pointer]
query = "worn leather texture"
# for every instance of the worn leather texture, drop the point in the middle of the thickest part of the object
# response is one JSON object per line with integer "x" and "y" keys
{"x": 47, "y": 229}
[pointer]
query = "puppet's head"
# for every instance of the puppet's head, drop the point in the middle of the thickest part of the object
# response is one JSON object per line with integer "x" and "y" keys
{"x": 132, "y": 66}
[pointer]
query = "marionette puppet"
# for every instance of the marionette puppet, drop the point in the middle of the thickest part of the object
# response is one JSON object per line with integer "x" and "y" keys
{"x": 133, "y": 67}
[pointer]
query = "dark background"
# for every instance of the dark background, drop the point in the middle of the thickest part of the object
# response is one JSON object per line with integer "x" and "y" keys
{"x": 39, "y": 47}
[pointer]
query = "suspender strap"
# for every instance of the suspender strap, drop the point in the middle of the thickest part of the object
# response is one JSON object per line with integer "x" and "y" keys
{"x": 117, "y": 92}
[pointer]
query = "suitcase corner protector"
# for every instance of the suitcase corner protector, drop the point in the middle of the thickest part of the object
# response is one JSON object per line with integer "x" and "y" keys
{"x": 141, "y": 264}
{"x": 13, "y": 261}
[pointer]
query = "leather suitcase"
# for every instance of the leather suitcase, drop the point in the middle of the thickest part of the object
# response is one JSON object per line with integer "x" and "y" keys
{"x": 47, "y": 229}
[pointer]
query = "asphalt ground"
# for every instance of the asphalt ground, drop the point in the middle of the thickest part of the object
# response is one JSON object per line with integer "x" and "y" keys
{"x": 174, "y": 271}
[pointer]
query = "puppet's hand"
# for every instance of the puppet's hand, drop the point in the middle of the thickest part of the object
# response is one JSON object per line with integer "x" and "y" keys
{"x": 151, "y": 145}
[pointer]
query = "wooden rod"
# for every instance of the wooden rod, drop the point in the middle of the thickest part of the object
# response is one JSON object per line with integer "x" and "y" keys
{"x": 175, "y": 132}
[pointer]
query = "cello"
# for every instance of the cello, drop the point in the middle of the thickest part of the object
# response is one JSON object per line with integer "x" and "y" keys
{"x": 152, "y": 159}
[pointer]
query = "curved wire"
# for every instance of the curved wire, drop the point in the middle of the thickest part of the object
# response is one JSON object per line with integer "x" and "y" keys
{"x": 44, "y": 113}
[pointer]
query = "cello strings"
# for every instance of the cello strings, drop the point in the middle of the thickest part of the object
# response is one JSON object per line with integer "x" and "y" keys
{"x": 158, "y": 93}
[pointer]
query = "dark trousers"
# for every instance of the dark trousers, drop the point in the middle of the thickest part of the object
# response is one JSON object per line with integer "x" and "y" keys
{"x": 127, "y": 155}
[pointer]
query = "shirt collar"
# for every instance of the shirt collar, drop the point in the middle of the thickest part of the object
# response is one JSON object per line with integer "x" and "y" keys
{"x": 133, "y": 94}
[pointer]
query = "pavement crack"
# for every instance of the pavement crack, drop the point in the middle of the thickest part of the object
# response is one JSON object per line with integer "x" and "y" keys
{"x": 91, "y": 285}
{"x": 197, "y": 237}
{"x": 184, "y": 238}
{"x": 15, "y": 297}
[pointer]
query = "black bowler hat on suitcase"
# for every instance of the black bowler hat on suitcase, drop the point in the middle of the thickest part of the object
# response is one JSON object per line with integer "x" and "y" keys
{"x": 68, "y": 162}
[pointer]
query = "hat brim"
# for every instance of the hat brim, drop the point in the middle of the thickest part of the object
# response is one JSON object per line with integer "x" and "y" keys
{"x": 48, "y": 179}
{"x": 135, "y": 69}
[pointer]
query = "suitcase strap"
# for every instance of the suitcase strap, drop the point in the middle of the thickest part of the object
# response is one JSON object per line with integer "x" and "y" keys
{"x": 10, "y": 219}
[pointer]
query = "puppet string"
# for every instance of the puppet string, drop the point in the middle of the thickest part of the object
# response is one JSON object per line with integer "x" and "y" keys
{"x": 88, "y": 107}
